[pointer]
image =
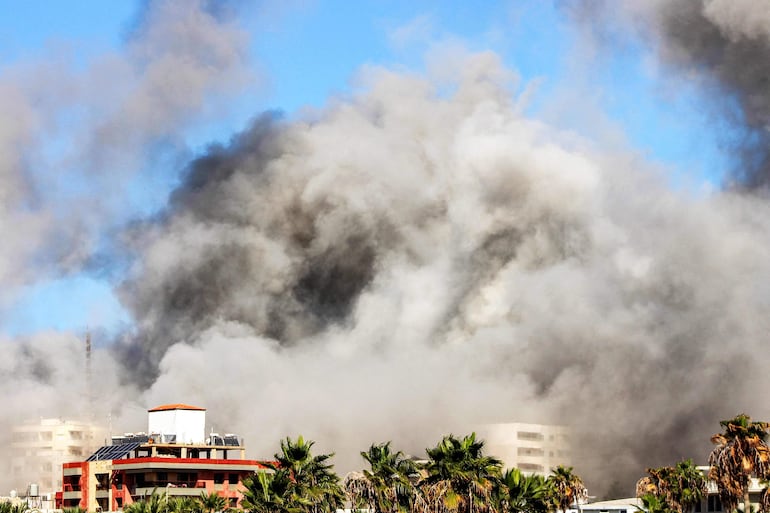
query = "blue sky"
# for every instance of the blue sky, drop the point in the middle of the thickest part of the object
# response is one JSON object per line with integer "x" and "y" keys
{"x": 305, "y": 52}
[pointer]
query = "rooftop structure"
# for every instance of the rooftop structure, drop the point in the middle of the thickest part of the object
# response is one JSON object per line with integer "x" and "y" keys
{"x": 172, "y": 458}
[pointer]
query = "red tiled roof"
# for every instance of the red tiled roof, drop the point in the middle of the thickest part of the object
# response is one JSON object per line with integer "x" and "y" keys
{"x": 178, "y": 406}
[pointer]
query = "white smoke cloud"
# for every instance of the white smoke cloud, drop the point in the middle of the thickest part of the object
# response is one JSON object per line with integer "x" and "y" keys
{"x": 413, "y": 260}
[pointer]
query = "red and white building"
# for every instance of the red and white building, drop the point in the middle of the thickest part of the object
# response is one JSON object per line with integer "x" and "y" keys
{"x": 173, "y": 458}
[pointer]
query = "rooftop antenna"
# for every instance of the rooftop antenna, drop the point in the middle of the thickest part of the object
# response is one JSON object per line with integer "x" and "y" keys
{"x": 89, "y": 389}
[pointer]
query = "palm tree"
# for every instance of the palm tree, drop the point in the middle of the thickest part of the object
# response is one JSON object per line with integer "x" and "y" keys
{"x": 741, "y": 453}
{"x": 459, "y": 477}
{"x": 567, "y": 488}
{"x": 155, "y": 503}
{"x": 183, "y": 505}
{"x": 212, "y": 503}
{"x": 516, "y": 492}
{"x": 388, "y": 485}
{"x": 680, "y": 487}
{"x": 653, "y": 504}
{"x": 271, "y": 492}
{"x": 312, "y": 484}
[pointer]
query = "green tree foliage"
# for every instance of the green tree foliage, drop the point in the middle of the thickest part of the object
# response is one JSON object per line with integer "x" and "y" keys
{"x": 741, "y": 453}
{"x": 299, "y": 482}
{"x": 155, "y": 503}
{"x": 211, "y": 502}
{"x": 459, "y": 477}
{"x": 388, "y": 485}
{"x": 566, "y": 488}
{"x": 10, "y": 507}
{"x": 679, "y": 488}
{"x": 516, "y": 492}
{"x": 272, "y": 492}
{"x": 159, "y": 502}
{"x": 183, "y": 505}
{"x": 651, "y": 503}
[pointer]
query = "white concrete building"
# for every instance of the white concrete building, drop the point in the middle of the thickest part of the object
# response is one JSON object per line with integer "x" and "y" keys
{"x": 532, "y": 448}
{"x": 40, "y": 447}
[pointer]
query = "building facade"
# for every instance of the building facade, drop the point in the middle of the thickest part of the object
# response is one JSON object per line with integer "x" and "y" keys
{"x": 532, "y": 448}
{"x": 172, "y": 459}
{"x": 40, "y": 448}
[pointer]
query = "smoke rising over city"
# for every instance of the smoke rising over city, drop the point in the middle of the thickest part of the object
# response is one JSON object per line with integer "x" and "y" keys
{"x": 423, "y": 256}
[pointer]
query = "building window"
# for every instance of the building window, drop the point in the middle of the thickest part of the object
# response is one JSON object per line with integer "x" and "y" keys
{"x": 529, "y": 451}
{"x": 233, "y": 479}
{"x": 714, "y": 504}
{"x": 163, "y": 478}
{"x": 219, "y": 478}
{"x": 698, "y": 508}
{"x": 530, "y": 467}
{"x": 529, "y": 435}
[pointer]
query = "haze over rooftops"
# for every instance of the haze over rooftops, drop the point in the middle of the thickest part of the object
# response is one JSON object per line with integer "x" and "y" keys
{"x": 177, "y": 406}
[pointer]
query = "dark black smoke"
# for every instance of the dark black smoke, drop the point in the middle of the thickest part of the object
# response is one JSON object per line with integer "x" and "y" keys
{"x": 738, "y": 61}
{"x": 724, "y": 43}
{"x": 215, "y": 287}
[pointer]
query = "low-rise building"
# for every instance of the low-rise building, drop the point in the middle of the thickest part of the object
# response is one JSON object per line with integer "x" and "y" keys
{"x": 172, "y": 459}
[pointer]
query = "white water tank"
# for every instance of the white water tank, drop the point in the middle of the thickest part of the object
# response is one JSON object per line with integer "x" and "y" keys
{"x": 187, "y": 423}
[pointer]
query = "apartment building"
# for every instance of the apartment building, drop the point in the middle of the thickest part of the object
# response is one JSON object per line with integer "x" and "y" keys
{"x": 173, "y": 457}
{"x": 39, "y": 448}
{"x": 532, "y": 448}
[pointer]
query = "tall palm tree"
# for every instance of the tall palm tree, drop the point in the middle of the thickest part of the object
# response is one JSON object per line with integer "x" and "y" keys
{"x": 567, "y": 488}
{"x": 680, "y": 487}
{"x": 741, "y": 453}
{"x": 459, "y": 477}
{"x": 388, "y": 485}
{"x": 313, "y": 486}
{"x": 516, "y": 492}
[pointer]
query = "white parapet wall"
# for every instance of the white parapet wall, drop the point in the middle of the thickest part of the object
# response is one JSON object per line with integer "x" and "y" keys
{"x": 187, "y": 423}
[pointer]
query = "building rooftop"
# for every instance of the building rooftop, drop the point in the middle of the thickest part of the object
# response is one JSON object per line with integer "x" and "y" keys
{"x": 177, "y": 406}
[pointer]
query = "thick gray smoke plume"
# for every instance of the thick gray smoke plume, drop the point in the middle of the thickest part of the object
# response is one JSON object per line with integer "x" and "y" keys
{"x": 101, "y": 113}
{"x": 419, "y": 258}
{"x": 726, "y": 44}
{"x": 423, "y": 256}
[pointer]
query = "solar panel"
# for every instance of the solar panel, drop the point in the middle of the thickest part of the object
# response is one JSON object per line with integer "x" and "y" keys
{"x": 114, "y": 452}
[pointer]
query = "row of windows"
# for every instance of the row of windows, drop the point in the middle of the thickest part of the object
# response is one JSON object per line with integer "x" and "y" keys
{"x": 47, "y": 436}
{"x": 530, "y": 467}
{"x": 162, "y": 478}
{"x": 535, "y": 436}
{"x": 537, "y": 451}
